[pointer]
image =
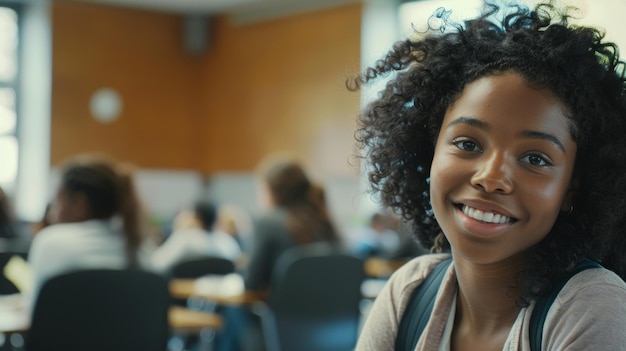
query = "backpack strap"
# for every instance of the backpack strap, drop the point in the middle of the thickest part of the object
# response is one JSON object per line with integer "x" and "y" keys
{"x": 419, "y": 309}
{"x": 540, "y": 311}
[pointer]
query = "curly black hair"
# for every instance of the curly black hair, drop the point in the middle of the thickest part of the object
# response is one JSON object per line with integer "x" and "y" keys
{"x": 398, "y": 130}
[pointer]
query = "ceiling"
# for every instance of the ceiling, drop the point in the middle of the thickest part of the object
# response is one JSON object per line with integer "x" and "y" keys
{"x": 243, "y": 9}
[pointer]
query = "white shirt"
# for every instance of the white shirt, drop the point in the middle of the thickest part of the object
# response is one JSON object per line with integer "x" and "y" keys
{"x": 191, "y": 243}
{"x": 66, "y": 247}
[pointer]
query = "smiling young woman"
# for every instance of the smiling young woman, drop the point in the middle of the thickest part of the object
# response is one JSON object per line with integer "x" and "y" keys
{"x": 502, "y": 141}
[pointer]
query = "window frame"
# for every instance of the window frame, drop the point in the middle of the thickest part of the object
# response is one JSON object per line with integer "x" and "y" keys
{"x": 16, "y": 85}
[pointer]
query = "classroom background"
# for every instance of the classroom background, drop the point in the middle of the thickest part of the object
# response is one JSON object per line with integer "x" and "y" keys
{"x": 195, "y": 93}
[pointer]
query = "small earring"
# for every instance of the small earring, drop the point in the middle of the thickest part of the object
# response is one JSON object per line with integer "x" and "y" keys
{"x": 571, "y": 209}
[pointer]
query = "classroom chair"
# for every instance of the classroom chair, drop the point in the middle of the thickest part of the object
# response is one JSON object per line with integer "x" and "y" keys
{"x": 101, "y": 310}
{"x": 192, "y": 269}
{"x": 314, "y": 300}
{"x": 198, "y": 267}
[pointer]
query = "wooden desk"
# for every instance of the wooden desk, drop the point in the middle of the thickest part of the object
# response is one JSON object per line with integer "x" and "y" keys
{"x": 187, "y": 321}
{"x": 188, "y": 288}
{"x": 381, "y": 268}
{"x": 219, "y": 294}
{"x": 15, "y": 319}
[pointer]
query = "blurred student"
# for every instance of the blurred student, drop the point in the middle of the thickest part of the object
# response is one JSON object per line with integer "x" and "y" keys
{"x": 13, "y": 245}
{"x": 296, "y": 215}
{"x": 96, "y": 221}
{"x": 7, "y": 221}
{"x": 194, "y": 237}
{"x": 379, "y": 237}
{"x": 236, "y": 222}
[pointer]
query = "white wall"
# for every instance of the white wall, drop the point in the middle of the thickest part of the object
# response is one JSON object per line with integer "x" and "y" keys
{"x": 34, "y": 100}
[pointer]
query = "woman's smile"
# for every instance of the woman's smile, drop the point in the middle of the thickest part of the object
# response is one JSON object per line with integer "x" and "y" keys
{"x": 482, "y": 223}
{"x": 485, "y": 216}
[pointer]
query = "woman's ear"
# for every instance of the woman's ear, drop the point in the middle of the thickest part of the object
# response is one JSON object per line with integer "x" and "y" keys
{"x": 568, "y": 200}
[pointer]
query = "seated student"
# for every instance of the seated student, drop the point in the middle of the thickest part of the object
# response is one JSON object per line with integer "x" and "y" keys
{"x": 379, "y": 238}
{"x": 97, "y": 222}
{"x": 193, "y": 237}
{"x": 409, "y": 246}
{"x": 236, "y": 222}
{"x": 296, "y": 214}
{"x": 7, "y": 222}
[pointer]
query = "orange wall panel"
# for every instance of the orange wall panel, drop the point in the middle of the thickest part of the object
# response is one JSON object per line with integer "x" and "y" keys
{"x": 279, "y": 85}
{"x": 140, "y": 54}
{"x": 261, "y": 87}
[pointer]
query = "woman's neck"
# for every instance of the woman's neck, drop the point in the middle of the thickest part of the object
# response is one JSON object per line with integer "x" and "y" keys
{"x": 486, "y": 303}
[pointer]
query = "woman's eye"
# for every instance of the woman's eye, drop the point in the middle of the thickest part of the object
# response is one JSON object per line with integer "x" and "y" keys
{"x": 467, "y": 145}
{"x": 536, "y": 160}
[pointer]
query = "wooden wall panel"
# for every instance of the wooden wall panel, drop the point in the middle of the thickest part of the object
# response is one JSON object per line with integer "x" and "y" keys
{"x": 140, "y": 54}
{"x": 279, "y": 85}
{"x": 262, "y": 87}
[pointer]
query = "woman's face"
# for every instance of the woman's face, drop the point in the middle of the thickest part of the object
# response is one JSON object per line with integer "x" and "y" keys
{"x": 502, "y": 168}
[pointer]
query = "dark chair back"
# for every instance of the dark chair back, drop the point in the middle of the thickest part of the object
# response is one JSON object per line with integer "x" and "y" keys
{"x": 314, "y": 300}
{"x": 101, "y": 310}
{"x": 198, "y": 267}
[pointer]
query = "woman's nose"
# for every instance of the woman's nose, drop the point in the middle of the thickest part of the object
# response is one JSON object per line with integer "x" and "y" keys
{"x": 493, "y": 174}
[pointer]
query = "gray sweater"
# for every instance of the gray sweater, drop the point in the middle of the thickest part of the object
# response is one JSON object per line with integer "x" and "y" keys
{"x": 271, "y": 239}
{"x": 588, "y": 314}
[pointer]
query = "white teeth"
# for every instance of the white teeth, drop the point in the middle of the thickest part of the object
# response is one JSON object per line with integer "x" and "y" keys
{"x": 478, "y": 214}
{"x": 488, "y": 217}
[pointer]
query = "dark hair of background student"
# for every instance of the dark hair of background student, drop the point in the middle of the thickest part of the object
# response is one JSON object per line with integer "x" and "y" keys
{"x": 398, "y": 131}
{"x": 109, "y": 191}
{"x": 304, "y": 202}
{"x": 206, "y": 213}
{"x": 7, "y": 220}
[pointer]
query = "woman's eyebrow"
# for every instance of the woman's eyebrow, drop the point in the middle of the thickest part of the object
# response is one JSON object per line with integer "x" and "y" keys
{"x": 469, "y": 121}
{"x": 544, "y": 136}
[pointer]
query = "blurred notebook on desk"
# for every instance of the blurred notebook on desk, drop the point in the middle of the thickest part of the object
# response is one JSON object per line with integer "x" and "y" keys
{"x": 18, "y": 272}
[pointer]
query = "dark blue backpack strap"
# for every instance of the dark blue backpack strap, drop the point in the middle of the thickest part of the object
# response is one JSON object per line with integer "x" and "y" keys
{"x": 540, "y": 311}
{"x": 419, "y": 309}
